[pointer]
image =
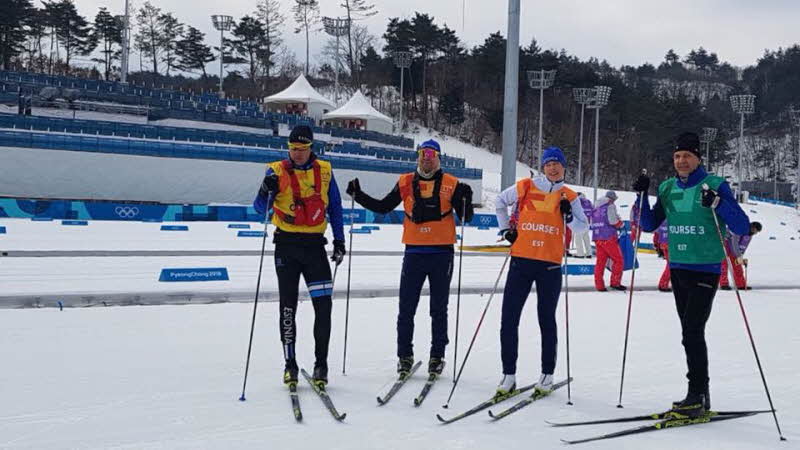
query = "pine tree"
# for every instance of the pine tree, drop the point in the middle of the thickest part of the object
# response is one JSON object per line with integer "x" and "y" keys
{"x": 192, "y": 53}
{"x": 173, "y": 31}
{"x": 150, "y": 37}
{"x": 248, "y": 42}
{"x": 107, "y": 33}
{"x": 306, "y": 14}
{"x": 73, "y": 31}
{"x": 14, "y": 14}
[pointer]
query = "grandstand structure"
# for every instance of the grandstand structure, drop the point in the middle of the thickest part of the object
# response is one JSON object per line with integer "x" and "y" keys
{"x": 63, "y": 158}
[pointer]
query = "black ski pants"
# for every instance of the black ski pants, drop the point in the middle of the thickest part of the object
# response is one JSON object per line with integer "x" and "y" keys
{"x": 522, "y": 274}
{"x": 438, "y": 269}
{"x": 291, "y": 261}
{"x": 694, "y": 296}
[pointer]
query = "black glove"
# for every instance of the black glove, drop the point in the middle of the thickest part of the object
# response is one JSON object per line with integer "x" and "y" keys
{"x": 509, "y": 235}
{"x": 353, "y": 187}
{"x": 269, "y": 186}
{"x": 659, "y": 251}
{"x": 642, "y": 184}
{"x": 710, "y": 198}
{"x": 338, "y": 252}
{"x": 566, "y": 207}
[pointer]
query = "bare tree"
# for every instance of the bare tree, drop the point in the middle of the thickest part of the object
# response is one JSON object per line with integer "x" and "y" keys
{"x": 356, "y": 10}
{"x": 272, "y": 19}
{"x": 306, "y": 14}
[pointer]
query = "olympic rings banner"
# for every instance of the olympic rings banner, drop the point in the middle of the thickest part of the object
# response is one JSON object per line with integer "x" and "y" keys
{"x": 149, "y": 212}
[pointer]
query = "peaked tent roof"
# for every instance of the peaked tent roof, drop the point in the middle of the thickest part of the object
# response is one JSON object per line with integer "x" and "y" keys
{"x": 357, "y": 106}
{"x": 299, "y": 91}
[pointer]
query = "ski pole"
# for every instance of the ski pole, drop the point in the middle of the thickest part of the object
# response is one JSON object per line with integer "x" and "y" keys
{"x": 630, "y": 294}
{"x": 478, "y": 328}
{"x": 349, "y": 270}
{"x": 747, "y": 327}
{"x": 255, "y": 302}
{"x": 458, "y": 295}
{"x": 566, "y": 303}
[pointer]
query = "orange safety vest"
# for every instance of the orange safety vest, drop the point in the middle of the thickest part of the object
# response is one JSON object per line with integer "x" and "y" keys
{"x": 442, "y": 229}
{"x": 540, "y": 226}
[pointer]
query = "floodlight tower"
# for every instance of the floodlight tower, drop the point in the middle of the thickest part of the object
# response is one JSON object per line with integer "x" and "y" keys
{"x": 402, "y": 60}
{"x": 741, "y": 104}
{"x": 223, "y": 24}
{"x": 708, "y": 136}
{"x": 337, "y": 28}
{"x": 583, "y": 96}
{"x": 598, "y": 100}
{"x": 541, "y": 80}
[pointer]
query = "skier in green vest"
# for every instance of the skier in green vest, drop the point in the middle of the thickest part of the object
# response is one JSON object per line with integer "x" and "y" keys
{"x": 688, "y": 202}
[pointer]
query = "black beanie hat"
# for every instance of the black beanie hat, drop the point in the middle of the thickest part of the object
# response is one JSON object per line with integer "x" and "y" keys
{"x": 301, "y": 134}
{"x": 689, "y": 142}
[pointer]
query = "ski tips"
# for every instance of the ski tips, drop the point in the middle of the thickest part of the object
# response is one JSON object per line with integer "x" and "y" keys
{"x": 441, "y": 419}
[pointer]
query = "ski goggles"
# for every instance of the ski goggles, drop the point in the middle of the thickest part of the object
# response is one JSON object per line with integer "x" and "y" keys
{"x": 428, "y": 153}
{"x": 299, "y": 146}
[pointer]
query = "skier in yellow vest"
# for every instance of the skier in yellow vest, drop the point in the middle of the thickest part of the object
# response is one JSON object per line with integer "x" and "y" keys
{"x": 304, "y": 198}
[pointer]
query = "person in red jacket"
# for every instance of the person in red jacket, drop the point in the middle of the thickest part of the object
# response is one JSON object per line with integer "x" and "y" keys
{"x": 735, "y": 246}
{"x": 605, "y": 224}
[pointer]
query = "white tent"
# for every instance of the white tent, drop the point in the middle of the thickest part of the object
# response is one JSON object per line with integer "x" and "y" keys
{"x": 358, "y": 113}
{"x": 299, "y": 98}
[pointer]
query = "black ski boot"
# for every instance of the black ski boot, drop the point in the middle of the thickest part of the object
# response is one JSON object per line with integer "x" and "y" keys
{"x": 320, "y": 375}
{"x": 692, "y": 407}
{"x": 619, "y": 287}
{"x": 290, "y": 372}
{"x": 404, "y": 365}
{"x": 706, "y": 403}
{"x": 435, "y": 366}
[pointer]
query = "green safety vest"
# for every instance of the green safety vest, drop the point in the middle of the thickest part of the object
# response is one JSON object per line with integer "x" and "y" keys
{"x": 693, "y": 237}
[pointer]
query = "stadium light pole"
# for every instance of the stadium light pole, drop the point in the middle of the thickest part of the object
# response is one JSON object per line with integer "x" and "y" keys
{"x": 541, "y": 80}
{"x": 708, "y": 136}
{"x": 126, "y": 43}
{"x": 337, "y": 28}
{"x": 223, "y": 24}
{"x": 511, "y": 98}
{"x": 402, "y": 60}
{"x": 741, "y": 104}
{"x": 582, "y": 96}
{"x": 598, "y": 100}
{"x": 795, "y": 114}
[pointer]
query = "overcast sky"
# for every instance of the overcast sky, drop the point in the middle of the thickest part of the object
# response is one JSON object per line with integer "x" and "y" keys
{"x": 620, "y": 31}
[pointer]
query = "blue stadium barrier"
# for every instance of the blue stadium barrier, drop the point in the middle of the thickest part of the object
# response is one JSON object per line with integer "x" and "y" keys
{"x": 240, "y": 226}
{"x": 157, "y": 213}
{"x": 174, "y": 228}
{"x": 771, "y": 201}
{"x": 360, "y": 231}
{"x": 193, "y": 275}
{"x": 75, "y": 222}
{"x": 100, "y": 144}
{"x": 2, "y": 230}
{"x": 42, "y": 219}
{"x": 250, "y": 234}
{"x": 167, "y": 103}
{"x": 578, "y": 269}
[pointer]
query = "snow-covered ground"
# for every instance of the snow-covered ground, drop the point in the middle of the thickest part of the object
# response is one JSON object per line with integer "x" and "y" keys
{"x": 170, "y": 376}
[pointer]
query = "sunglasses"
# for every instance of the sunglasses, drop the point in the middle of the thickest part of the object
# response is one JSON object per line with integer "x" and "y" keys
{"x": 428, "y": 152}
{"x": 299, "y": 146}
